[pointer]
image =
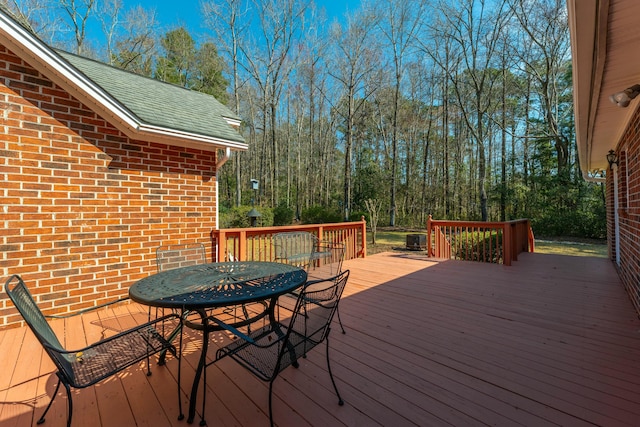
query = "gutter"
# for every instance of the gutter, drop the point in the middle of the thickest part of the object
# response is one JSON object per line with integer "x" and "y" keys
{"x": 223, "y": 159}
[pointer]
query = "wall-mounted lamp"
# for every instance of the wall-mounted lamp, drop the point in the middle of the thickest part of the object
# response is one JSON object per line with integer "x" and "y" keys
{"x": 612, "y": 158}
{"x": 622, "y": 99}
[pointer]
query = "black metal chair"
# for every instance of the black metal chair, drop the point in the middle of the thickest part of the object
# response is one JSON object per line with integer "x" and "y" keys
{"x": 295, "y": 247}
{"x": 303, "y": 249}
{"x": 84, "y": 367}
{"x": 269, "y": 350}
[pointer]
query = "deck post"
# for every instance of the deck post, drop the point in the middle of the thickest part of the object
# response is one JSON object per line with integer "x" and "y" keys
{"x": 363, "y": 249}
{"x": 429, "y": 245}
{"x": 222, "y": 245}
{"x": 507, "y": 244}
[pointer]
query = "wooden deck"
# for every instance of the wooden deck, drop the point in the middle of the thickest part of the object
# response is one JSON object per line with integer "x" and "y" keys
{"x": 551, "y": 340}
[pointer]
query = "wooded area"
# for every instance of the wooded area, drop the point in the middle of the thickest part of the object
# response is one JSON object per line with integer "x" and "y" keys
{"x": 460, "y": 109}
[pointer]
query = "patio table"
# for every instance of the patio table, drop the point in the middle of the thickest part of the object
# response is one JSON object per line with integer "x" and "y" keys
{"x": 205, "y": 286}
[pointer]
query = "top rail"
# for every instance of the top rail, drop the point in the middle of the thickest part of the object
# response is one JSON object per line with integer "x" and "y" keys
{"x": 495, "y": 242}
{"x": 247, "y": 244}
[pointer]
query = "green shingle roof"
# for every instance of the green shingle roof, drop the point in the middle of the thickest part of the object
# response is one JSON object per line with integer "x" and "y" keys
{"x": 160, "y": 104}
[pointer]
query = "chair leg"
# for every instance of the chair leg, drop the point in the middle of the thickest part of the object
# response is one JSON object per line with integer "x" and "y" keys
{"x": 340, "y": 401}
{"x": 340, "y": 320}
{"x": 270, "y": 399}
{"x": 179, "y": 356}
{"x": 55, "y": 393}
{"x": 70, "y": 403}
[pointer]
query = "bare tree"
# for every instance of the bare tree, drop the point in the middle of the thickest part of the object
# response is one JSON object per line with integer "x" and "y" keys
{"x": 78, "y": 12}
{"x": 270, "y": 62}
{"x": 373, "y": 208}
{"x": 545, "y": 50}
{"x": 224, "y": 19}
{"x": 310, "y": 174}
{"x": 109, "y": 17}
{"x": 36, "y": 15}
{"x": 353, "y": 62}
{"x": 134, "y": 45}
{"x": 400, "y": 24}
{"x": 475, "y": 29}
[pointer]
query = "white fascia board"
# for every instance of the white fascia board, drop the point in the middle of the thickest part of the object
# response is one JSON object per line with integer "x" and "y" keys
{"x": 232, "y": 122}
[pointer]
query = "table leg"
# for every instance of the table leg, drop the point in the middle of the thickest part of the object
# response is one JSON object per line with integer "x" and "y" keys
{"x": 199, "y": 369}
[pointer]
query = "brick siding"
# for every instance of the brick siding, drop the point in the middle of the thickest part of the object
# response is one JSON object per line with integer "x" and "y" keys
{"x": 629, "y": 210}
{"x": 84, "y": 207}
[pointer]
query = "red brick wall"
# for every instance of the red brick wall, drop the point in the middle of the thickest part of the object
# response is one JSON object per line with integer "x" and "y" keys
{"x": 83, "y": 206}
{"x": 628, "y": 208}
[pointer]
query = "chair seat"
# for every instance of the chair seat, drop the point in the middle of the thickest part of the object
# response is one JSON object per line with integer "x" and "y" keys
{"x": 261, "y": 356}
{"x": 102, "y": 360}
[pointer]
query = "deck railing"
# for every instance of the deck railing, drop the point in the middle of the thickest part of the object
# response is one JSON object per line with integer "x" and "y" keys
{"x": 494, "y": 242}
{"x": 256, "y": 244}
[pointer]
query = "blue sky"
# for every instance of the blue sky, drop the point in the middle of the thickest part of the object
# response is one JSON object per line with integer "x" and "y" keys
{"x": 172, "y": 13}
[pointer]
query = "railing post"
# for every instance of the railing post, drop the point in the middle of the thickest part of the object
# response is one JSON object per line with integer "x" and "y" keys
{"x": 531, "y": 238}
{"x": 506, "y": 244}
{"x": 515, "y": 239}
{"x": 363, "y": 249}
{"x": 242, "y": 246}
{"x": 429, "y": 244}
{"x": 222, "y": 246}
{"x": 214, "y": 245}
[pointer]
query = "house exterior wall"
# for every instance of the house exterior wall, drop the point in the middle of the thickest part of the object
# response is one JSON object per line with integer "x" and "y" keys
{"x": 84, "y": 207}
{"x": 628, "y": 207}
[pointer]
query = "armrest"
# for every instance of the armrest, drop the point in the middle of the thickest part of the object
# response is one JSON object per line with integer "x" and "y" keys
{"x": 231, "y": 329}
{"x": 114, "y": 337}
{"x": 85, "y": 310}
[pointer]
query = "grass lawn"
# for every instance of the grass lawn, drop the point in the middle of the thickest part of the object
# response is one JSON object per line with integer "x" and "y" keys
{"x": 396, "y": 240}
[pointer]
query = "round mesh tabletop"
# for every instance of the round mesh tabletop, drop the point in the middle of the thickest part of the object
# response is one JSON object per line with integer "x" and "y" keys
{"x": 217, "y": 284}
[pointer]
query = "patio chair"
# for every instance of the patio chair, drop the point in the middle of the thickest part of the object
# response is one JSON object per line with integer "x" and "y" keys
{"x": 84, "y": 367}
{"x": 295, "y": 247}
{"x": 269, "y": 350}
{"x": 319, "y": 259}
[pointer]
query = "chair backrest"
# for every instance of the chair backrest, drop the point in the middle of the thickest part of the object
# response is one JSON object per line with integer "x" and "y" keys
{"x": 327, "y": 259}
{"x": 169, "y": 257}
{"x": 294, "y": 247}
{"x": 316, "y": 306}
{"x": 26, "y": 305}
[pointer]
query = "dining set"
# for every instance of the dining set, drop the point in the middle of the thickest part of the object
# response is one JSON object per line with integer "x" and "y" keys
{"x": 274, "y": 312}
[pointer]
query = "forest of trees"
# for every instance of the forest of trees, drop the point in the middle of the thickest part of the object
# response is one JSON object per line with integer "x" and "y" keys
{"x": 462, "y": 109}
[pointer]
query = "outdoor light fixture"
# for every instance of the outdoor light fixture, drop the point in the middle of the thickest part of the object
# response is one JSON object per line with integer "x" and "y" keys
{"x": 612, "y": 158}
{"x": 622, "y": 99}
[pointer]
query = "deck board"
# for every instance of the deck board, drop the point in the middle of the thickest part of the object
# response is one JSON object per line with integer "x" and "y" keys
{"x": 551, "y": 340}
